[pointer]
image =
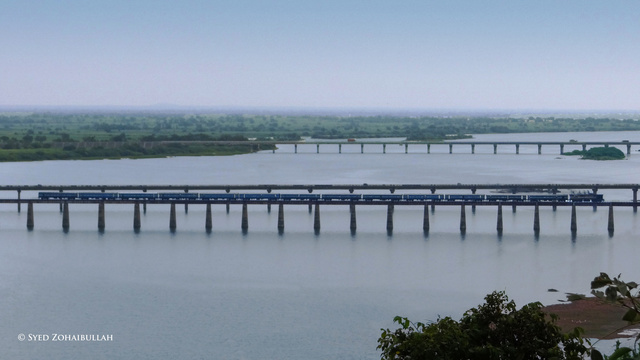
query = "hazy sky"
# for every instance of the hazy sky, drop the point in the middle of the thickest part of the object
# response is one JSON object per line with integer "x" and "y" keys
{"x": 447, "y": 54}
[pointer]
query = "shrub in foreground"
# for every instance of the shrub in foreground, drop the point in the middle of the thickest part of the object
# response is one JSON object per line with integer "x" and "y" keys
{"x": 493, "y": 330}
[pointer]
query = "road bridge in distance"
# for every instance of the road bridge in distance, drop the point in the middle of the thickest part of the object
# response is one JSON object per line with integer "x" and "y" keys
{"x": 583, "y": 145}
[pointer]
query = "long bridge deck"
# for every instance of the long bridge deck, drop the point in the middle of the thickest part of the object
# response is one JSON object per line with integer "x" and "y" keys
{"x": 79, "y": 194}
{"x": 584, "y": 145}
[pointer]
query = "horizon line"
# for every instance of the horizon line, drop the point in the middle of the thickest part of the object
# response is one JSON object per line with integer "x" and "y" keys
{"x": 306, "y": 110}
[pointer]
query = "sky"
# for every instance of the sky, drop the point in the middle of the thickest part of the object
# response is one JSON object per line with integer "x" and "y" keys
{"x": 393, "y": 54}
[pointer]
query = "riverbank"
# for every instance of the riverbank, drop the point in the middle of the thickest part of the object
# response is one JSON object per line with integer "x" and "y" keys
{"x": 599, "y": 319}
{"x": 131, "y": 151}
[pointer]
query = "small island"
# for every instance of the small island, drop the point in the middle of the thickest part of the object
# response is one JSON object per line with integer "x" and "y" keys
{"x": 599, "y": 153}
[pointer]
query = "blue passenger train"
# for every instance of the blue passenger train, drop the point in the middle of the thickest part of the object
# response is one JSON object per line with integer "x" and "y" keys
{"x": 235, "y": 197}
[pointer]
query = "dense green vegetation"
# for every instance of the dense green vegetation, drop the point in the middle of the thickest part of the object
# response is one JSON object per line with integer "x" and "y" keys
{"x": 493, "y": 330}
{"x": 498, "y": 330}
{"x": 600, "y": 153}
{"x": 36, "y": 136}
{"x": 604, "y": 153}
{"x": 118, "y": 151}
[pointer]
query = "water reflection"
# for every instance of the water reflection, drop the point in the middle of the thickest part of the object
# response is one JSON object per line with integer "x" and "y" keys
{"x": 264, "y": 293}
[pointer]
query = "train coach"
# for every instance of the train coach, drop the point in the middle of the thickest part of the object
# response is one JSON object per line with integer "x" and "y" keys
{"x": 544, "y": 198}
{"x": 137, "y": 196}
{"x": 178, "y": 196}
{"x": 57, "y": 196}
{"x": 506, "y": 197}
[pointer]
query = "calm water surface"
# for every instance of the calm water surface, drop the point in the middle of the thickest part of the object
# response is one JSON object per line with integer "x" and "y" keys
{"x": 298, "y": 295}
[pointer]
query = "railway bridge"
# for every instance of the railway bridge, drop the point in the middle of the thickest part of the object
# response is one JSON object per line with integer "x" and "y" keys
{"x": 315, "y": 196}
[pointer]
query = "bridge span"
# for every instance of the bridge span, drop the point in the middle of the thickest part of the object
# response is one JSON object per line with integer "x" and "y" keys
{"x": 470, "y": 144}
{"x": 535, "y": 196}
{"x": 582, "y": 145}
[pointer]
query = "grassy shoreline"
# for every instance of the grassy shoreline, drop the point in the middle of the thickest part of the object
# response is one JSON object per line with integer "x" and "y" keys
{"x": 599, "y": 319}
{"x": 125, "y": 152}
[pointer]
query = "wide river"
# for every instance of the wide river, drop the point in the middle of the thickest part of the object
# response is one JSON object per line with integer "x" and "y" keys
{"x": 298, "y": 295}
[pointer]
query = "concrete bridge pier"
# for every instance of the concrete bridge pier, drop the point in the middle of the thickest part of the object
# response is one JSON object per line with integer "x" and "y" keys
{"x": 406, "y": 148}
{"x": 245, "y": 218}
{"x": 495, "y": 148}
{"x": 584, "y": 147}
{"x": 352, "y": 225}
{"x": 425, "y": 219}
{"x": 384, "y": 148}
{"x": 269, "y": 208}
{"x": 339, "y": 148}
{"x": 473, "y": 148}
{"x": 499, "y": 222}
{"x": 316, "y": 219}
{"x": 65, "y": 216}
{"x": 144, "y": 204}
{"x": 228, "y": 206}
{"x": 61, "y": 203}
{"x": 172, "y": 218}
{"x": 428, "y": 148}
{"x": 539, "y": 149}
{"x": 574, "y": 223}
{"x": 635, "y": 199}
{"x": 30, "y": 216}
{"x": 450, "y": 148}
{"x": 318, "y": 149}
{"x": 610, "y": 226}
{"x": 389, "y": 218}
{"x": 208, "y": 222}
{"x": 628, "y": 149}
{"x": 595, "y": 191}
{"x": 361, "y": 148}
{"x": 513, "y": 208}
{"x": 433, "y": 205}
{"x": 536, "y": 220}
{"x": 561, "y": 149}
{"x": 101, "y": 216}
{"x": 295, "y": 148}
{"x": 517, "y": 149}
{"x": 280, "y": 218}
{"x": 463, "y": 220}
{"x": 473, "y": 207}
{"x": 310, "y": 208}
{"x": 19, "y": 191}
{"x": 136, "y": 217}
